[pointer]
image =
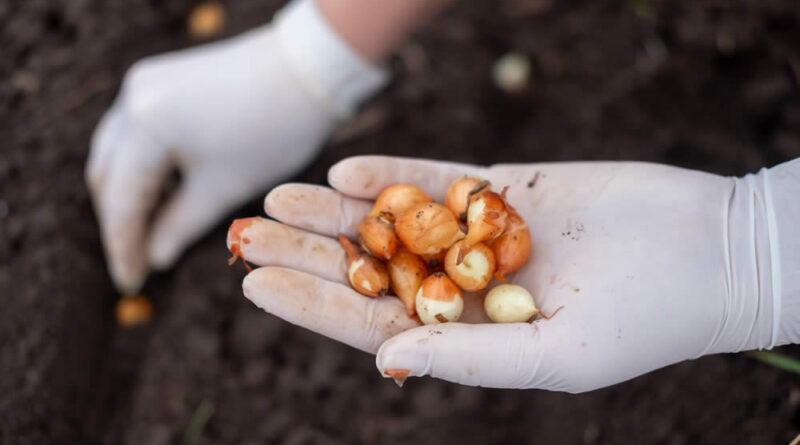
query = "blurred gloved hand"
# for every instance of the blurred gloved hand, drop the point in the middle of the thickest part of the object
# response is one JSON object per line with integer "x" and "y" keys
{"x": 233, "y": 117}
{"x": 652, "y": 265}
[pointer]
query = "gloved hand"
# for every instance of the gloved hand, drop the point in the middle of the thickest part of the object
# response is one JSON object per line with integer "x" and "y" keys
{"x": 233, "y": 117}
{"x": 652, "y": 265}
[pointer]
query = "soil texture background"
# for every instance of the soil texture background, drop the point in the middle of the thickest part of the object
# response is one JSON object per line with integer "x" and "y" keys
{"x": 712, "y": 85}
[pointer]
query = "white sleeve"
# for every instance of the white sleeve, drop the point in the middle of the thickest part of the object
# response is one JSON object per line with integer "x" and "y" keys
{"x": 329, "y": 68}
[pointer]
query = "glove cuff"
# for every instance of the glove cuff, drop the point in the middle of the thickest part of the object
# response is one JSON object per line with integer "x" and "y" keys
{"x": 782, "y": 189}
{"x": 324, "y": 63}
{"x": 750, "y": 306}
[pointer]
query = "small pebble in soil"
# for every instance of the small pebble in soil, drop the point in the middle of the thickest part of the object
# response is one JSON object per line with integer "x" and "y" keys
{"x": 511, "y": 72}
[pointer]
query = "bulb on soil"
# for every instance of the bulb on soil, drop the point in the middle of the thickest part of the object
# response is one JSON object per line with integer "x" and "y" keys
{"x": 206, "y": 20}
{"x": 133, "y": 310}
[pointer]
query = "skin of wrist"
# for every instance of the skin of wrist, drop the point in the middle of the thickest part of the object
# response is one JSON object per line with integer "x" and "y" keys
{"x": 375, "y": 28}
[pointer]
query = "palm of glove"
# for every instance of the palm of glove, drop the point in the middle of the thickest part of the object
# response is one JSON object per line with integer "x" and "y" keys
{"x": 633, "y": 252}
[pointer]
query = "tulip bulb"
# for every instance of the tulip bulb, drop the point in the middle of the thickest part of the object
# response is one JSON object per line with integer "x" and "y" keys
{"x": 133, "y": 310}
{"x": 428, "y": 229}
{"x": 476, "y": 269}
{"x": 366, "y": 274}
{"x": 406, "y": 272}
{"x": 376, "y": 236}
{"x": 459, "y": 193}
{"x": 397, "y": 199}
{"x": 509, "y": 303}
{"x": 513, "y": 248}
{"x": 439, "y": 300}
{"x": 487, "y": 218}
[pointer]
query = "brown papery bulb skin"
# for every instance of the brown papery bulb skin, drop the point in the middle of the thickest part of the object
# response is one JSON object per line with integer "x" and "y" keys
{"x": 428, "y": 229}
{"x": 406, "y": 272}
{"x": 376, "y": 236}
{"x": 397, "y": 199}
{"x": 475, "y": 271}
{"x": 459, "y": 193}
{"x": 512, "y": 249}
{"x": 367, "y": 275}
{"x": 487, "y": 218}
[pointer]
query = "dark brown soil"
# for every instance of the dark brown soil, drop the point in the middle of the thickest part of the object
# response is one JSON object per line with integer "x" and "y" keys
{"x": 710, "y": 85}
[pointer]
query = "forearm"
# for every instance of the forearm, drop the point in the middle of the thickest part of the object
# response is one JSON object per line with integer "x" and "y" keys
{"x": 374, "y": 28}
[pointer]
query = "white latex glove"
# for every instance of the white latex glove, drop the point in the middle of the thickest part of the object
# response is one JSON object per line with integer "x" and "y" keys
{"x": 233, "y": 117}
{"x": 652, "y": 265}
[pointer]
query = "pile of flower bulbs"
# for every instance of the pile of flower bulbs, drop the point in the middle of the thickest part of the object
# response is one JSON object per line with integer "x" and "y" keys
{"x": 428, "y": 253}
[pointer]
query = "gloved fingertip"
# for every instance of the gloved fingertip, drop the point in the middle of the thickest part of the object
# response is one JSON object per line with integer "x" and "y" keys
{"x": 273, "y": 201}
{"x": 251, "y": 284}
{"x": 355, "y": 176}
{"x": 335, "y": 173}
{"x": 258, "y": 287}
{"x": 239, "y": 234}
{"x": 93, "y": 177}
{"x": 128, "y": 279}
{"x": 395, "y": 357}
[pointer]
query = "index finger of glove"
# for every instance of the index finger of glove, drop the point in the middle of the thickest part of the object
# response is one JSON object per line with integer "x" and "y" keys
{"x": 366, "y": 176}
{"x": 316, "y": 209}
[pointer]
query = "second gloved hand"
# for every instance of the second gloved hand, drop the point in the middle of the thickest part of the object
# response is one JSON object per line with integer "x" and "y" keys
{"x": 234, "y": 117}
